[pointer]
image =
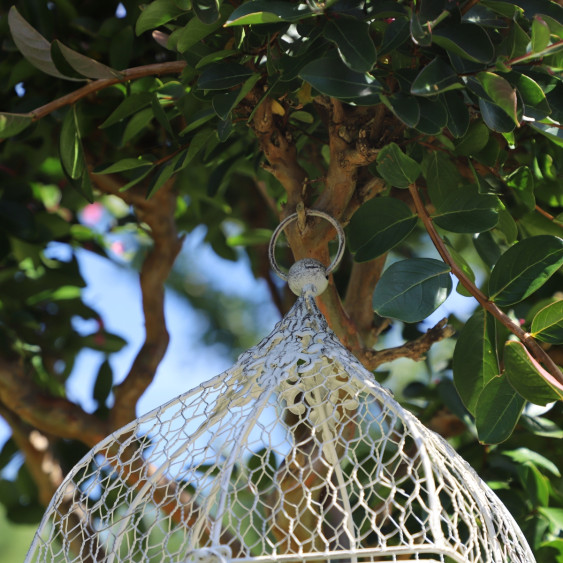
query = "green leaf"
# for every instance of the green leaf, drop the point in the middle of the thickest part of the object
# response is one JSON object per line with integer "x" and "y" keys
{"x": 221, "y": 76}
{"x": 501, "y": 93}
{"x": 547, "y": 325}
{"x": 465, "y": 267}
{"x": 553, "y": 131}
{"x": 354, "y": 43}
{"x": 524, "y": 268}
{"x": 467, "y": 211}
{"x": 533, "y": 97}
{"x": 528, "y": 377}
{"x": 474, "y": 360}
{"x": 33, "y": 46}
{"x": 442, "y": 176}
{"x": 522, "y": 182}
{"x": 122, "y": 165}
{"x": 13, "y": 123}
{"x": 72, "y": 157}
{"x": 541, "y": 426}
{"x": 379, "y": 225}
{"x": 525, "y": 455}
{"x": 130, "y": 105}
{"x": 497, "y": 411}
{"x": 194, "y": 31}
{"x": 495, "y": 117}
{"x": 199, "y": 141}
{"x": 554, "y": 515}
{"x": 206, "y": 10}
{"x": 332, "y": 77}
{"x": 507, "y": 226}
{"x": 85, "y": 65}
{"x": 136, "y": 124}
{"x": 535, "y": 484}
{"x": 224, "y": 103}
{"x": 269, "y": 11}
{"x": 410, "y": 290}
{"x": 458, "y": 114}
{"x": 437, "y": 76}
{"x": 540, "y": 34}
{"x": 161, "y": 117}
{"x": 404, "y": 107}
{"x": 163, "y": 174}
{"x": 433, "y": 116}
{"x": 156, "y": 14}
{"x": 397, "y": 168}
{"x": 467, "y": 40}
{"x": 474, "y": 141}
{"x": 103, "y": 384}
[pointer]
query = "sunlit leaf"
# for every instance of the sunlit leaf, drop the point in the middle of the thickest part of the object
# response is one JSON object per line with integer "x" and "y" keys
{"x": 268, "y": 11}
{"x": 156, "y": 14}
{"x": 501, "y": 93}
{"x": 522, "y": 182}
{"x": 528, "y": 377}
{"x": 547, "y": 325}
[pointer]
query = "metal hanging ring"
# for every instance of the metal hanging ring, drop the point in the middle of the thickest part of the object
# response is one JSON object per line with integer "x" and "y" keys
{"x": 293, "y": 217}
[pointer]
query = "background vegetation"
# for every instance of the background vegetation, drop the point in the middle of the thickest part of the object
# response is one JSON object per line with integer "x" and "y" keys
{"x": 430, "y": 129}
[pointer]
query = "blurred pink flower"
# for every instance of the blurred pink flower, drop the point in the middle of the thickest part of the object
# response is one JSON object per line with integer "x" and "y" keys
{"x": 117, "y": 247}
{"x": 92, "y": 213}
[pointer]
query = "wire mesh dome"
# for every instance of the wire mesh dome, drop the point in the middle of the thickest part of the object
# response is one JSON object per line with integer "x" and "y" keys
{"x": 296, "y": 453}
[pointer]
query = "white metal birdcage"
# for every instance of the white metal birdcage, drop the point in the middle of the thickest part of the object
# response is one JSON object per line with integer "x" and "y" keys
{"x": 296, "y": 453}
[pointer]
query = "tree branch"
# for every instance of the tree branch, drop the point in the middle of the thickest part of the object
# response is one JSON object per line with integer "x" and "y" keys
{"x": 363, "y": 279}
{"x": 537, "y": 351}
{"x": 158, "y": 214}
{"x": 279, "y": 149}
{"x": 173, "y": 67}
{"x": 52, "y": 415}
{"x": 415, "y": 350}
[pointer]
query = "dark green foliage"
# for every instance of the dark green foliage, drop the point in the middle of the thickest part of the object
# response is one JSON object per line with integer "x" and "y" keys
{"x": 459, "y": 101}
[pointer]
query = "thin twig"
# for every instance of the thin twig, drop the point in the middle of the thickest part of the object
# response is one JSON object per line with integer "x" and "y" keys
{"x": 174, "y": 67}
{"x": 544, "y": 213}
{"x": 537, "y": 351}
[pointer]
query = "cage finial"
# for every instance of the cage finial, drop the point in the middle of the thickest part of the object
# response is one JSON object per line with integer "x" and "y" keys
{"x": 307, "y": 275}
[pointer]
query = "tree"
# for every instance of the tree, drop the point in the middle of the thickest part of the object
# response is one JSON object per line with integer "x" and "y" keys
{"x": 418, "y": 125}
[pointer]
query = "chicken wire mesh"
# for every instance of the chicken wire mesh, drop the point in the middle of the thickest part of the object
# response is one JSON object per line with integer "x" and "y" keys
{"x": 296, "y": 453}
